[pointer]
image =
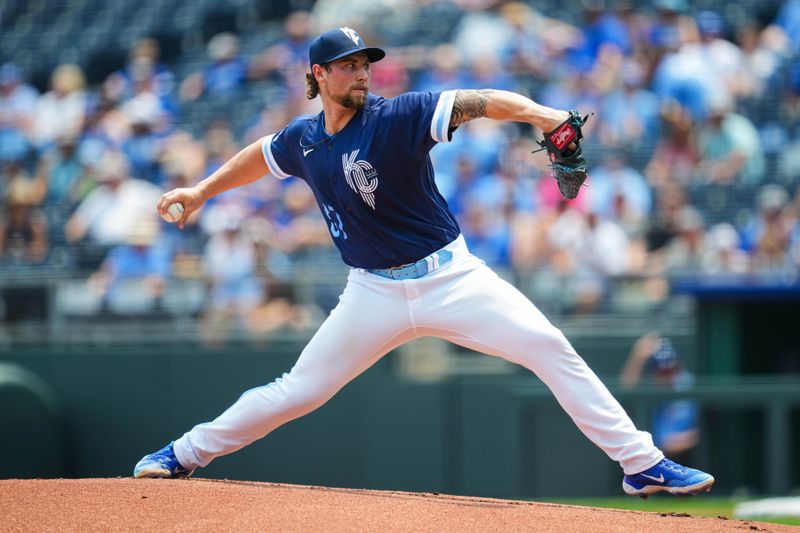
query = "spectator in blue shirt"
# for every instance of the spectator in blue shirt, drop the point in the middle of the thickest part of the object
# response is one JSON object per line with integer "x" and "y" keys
{"x": 630, "y": 113}
{"x": 601, "y": 28}
{"x": 614, "y": 178}
{"x": 788, "y": 20}
{"x": 17, "y": 107}
{"x": 674, "y": 423}
{"x": 134, "y": 274}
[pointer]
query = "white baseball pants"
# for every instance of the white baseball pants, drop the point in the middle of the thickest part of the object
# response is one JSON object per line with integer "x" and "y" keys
{"x": 464, "y": 302}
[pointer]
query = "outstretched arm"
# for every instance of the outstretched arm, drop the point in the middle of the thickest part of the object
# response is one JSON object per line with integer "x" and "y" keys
{"x": 503, "y": 105}
{"x": 245, "y": 167}
{"x": 561, "y": 129}
{"x": 642, "y": 349}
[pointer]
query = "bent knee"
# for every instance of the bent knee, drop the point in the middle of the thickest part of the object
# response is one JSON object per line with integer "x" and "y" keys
{"x": 305, "y": 395}
{"x": 307, "y": 401}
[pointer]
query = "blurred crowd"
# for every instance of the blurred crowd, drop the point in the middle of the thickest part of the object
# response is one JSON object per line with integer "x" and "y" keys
{"x": 694, "y": 151}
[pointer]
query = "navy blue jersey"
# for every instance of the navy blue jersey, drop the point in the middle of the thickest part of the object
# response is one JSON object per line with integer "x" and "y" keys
{"x": 374, "y": 180}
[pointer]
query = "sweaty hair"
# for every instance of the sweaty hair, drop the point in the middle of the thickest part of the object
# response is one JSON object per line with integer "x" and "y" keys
{"x": 312, "y": 87}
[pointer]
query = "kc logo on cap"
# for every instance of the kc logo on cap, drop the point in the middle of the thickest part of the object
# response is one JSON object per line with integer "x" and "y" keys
{"x": 353, "y": 34}
{"x": 338, "y": 43}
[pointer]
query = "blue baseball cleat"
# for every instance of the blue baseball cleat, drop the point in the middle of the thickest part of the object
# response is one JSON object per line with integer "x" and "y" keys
{"x": 160, "y": 464}
{"x": 667, "y": 476}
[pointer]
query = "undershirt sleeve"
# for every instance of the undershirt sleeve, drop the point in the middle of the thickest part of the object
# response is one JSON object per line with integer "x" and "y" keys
{"x": 440, "y": 123}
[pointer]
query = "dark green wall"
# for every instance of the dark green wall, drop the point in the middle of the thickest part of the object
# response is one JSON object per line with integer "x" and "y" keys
{"x": 749, "y": 336}
{"x": 464, "y": 435}
{"x": 32, "y": 438}
{"x": 120, "y": 403}
{"x": 471, "y": 435}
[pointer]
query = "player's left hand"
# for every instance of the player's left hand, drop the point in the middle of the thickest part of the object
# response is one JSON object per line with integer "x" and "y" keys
{"x": 563, "y": 145}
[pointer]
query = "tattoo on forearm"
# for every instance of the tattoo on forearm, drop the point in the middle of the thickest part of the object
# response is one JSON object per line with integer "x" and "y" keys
{"x": 468, "y": 105}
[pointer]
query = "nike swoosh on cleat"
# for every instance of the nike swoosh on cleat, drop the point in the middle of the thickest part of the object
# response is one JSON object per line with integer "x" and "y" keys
{"x": 660, "y": 478}
{"x": 306, "y": 152}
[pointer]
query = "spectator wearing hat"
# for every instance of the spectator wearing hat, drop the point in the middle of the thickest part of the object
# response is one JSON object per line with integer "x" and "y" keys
{"x": 150, "y": 94}
{"x": 674, "y": 423}
{"x": 684, "y": 69}
{"x": 729, "y": 146}
{"x": 62, "y": 110}
{"x": 768, "y": 234}
{"x": 108, "y": 214}
{"x": 721, "y": 58}
{"x": 724, "y": 254}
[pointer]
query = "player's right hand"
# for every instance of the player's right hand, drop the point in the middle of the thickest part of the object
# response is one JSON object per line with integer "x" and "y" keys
{"x": 191, "y": 198}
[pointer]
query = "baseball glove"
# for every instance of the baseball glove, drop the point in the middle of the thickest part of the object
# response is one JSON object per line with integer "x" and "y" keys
{"x": 568, "y": 164}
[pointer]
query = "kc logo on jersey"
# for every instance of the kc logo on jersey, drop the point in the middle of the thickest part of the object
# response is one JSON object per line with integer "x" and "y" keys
{"x": 361, "y": 176}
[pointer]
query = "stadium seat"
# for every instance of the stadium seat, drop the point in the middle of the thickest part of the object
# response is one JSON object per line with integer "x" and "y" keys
{"x": 185, "y": 297}
{"x": 72, "y": 298}
{"x": 131, "y": 297}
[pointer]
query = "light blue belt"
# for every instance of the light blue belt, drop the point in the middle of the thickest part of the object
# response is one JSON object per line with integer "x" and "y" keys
{"x": 415, "y": 270}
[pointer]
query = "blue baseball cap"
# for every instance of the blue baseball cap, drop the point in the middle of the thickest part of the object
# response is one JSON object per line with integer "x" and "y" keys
{"x": 337, "y": 43}
{"x": 664, "y": 359}
{"x": 9, "y": 73}
{"x": 710, "y": 23}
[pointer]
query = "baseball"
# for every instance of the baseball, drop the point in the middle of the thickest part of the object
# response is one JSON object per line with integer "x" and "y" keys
{"x": 174, "y": 212}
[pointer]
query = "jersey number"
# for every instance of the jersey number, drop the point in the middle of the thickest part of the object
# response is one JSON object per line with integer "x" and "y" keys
{"x": 337, "y": 228}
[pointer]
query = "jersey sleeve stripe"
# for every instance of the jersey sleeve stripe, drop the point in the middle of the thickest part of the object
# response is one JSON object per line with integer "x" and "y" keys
{"x": 274, "y": 168}
{"x": 440, "y": 123}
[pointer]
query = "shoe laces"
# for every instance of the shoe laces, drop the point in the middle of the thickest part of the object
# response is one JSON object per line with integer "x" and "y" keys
{"x": 672, "y": 465}
{"x": 165, "y": 457}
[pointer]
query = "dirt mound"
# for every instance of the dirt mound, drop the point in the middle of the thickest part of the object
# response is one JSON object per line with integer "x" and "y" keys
{"x": 125, "y": 504}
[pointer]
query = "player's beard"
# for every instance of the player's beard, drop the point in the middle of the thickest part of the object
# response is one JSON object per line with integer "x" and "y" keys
{"x": 354, "y": 101}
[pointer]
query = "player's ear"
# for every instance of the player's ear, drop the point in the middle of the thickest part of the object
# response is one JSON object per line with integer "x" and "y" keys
{"x": 318, "y": 71}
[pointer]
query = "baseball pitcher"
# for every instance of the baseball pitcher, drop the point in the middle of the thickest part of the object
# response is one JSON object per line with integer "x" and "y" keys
{"x": 366, "y": 159}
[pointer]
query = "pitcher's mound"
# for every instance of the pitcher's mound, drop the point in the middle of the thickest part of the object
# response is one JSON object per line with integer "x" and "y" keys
{"x": 126, "y": 504}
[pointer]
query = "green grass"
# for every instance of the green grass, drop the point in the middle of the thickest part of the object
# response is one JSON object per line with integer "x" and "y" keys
{"x": 700, "y": 506}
